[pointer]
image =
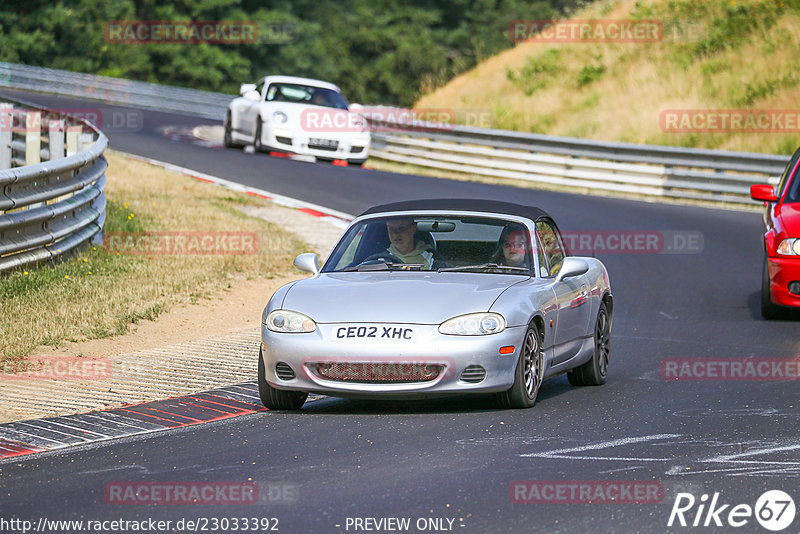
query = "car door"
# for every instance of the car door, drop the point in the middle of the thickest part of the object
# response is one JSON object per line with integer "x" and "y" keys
{"x": 572, "y": 295}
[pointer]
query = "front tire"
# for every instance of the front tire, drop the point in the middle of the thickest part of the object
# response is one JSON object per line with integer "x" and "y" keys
{"x": 228, "y": 138}
{"x": 529, "y": 374}
{"x": 593, "y": 372}
{"x": 277, "y": 399}
{"x": 768, "y": 309}
{"x": 257, "y": 145}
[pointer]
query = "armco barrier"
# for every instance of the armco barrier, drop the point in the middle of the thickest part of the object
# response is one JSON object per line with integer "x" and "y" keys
{"x": 140, "y": 95}
{"x": 650, "y": 170}
{"x": 52, "y": 178}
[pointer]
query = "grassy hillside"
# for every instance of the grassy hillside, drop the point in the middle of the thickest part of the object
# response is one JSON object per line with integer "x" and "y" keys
{"x": 715, "y": 55}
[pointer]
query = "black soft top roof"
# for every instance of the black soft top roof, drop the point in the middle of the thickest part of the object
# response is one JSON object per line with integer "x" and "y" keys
{"x": 461, "y": 204}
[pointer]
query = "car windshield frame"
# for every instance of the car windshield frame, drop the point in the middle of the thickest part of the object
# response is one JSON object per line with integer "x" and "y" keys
{"x": 333, "y": 264}
{"x": 330, "y": 98}
{"x": 791, "y": 194}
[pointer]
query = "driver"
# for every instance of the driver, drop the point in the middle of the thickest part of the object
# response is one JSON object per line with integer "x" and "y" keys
{"x": 405, "y": 246}
{"x": 319, "y": 99}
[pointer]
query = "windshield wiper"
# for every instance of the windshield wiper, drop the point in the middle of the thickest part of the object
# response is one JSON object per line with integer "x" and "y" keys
{"x": 386, "y": 267}
{"x": 484, "y": 267}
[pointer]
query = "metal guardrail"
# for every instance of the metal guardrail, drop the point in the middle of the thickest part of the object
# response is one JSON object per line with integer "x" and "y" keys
{"x": 51, "y": 187}
{"x": 140, "y": 95}
{"x": 660, "y": 171}
{"x": 651, "y": 170}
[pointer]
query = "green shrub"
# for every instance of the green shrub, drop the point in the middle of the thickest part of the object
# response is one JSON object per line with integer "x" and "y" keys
{"x": 590, "y": 73}
{"x": 536, "y": 72}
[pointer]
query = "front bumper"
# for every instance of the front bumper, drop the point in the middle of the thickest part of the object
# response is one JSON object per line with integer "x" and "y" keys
{"x": 302, "y": 352}
{"x": 783, "y": 271}
{"x": 348, "y": 147}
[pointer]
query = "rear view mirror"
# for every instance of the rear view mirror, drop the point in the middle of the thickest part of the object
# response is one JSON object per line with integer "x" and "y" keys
{"x": 572, "y": 267}
{"x": 248, "y": 90}
{"x": 307, "y": 262}
{"x": 435, "y": 226}
{"x": 763, "y": 192}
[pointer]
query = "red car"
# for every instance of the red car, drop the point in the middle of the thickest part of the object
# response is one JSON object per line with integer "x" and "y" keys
{"x": 780, "y": 282}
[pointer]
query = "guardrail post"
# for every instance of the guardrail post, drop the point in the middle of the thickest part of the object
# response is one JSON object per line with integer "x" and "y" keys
{"x": 6, "y": 123}
{"x": 73, "y": 133}
{"x": 86, "y": 140}
{"x": 56, "y": 135}
{"x": 33, "y": 137}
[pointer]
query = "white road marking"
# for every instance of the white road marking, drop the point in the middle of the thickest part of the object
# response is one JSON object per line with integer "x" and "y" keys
{"x": 769, "y": 450}
{"x": 735, "y": 464}
{"x": 566, "y": 453}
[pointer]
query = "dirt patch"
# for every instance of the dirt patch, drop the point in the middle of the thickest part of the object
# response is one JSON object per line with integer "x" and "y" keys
{"x": 234, "y": 309}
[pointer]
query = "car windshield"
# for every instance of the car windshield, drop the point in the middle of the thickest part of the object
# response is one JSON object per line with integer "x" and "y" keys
{"x": 305, "y": 94}
{"x": 434, "y": 243}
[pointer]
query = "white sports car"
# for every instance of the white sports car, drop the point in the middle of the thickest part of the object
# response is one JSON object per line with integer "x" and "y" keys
{"x": 297, "y": 116}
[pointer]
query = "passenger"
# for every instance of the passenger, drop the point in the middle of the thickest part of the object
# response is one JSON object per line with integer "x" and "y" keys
{"x": 512, "y": 248}
{"x": 404, "y": 244}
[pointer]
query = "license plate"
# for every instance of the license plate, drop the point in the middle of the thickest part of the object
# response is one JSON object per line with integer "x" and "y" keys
{"x": 379, "y": 332}
{"x": 323, "y": 142}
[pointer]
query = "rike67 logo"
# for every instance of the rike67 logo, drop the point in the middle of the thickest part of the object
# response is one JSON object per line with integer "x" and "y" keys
{"x": 774, "y": 510}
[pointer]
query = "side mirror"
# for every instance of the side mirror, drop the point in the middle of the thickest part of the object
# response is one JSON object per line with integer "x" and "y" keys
{"x": 247, "y": 88}
{"x": 763, "y": 192}
{"x": 572, "y": 267}
{"x": 307, "y": 262}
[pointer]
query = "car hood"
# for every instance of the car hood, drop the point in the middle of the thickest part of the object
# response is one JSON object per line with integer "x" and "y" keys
{"x": 322, "y": 118}
{"x": 395, "y": 297}
{"x": 790, "y": 218}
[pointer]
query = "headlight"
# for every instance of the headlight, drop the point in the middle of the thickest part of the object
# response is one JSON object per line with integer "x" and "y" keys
{"x": 789, "y": 247}
{"x": 280, "y": 117}
{"x": 361, "y": 123}
{"x": 290, "y": 322}
{"x": 474, "y": 324}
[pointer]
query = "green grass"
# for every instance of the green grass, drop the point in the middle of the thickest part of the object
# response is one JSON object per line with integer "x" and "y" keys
{"x": 97, "y": 293}
{"x": 591, "y": 72}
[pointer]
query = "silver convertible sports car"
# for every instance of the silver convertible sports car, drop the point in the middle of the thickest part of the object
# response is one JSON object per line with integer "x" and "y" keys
{"x": 438, "y": 297}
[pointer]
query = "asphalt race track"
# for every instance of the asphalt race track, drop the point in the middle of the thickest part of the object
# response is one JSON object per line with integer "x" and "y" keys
{"x": 457, "y": 459}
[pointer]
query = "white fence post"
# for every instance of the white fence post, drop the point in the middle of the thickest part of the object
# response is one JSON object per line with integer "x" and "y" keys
{"x": 73, "y": 132}
{"x": 6, "y": 123}
{"x": 33, "y": 137}
{"x": 55, "y": 133}
{"x": 86, "y": 140}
